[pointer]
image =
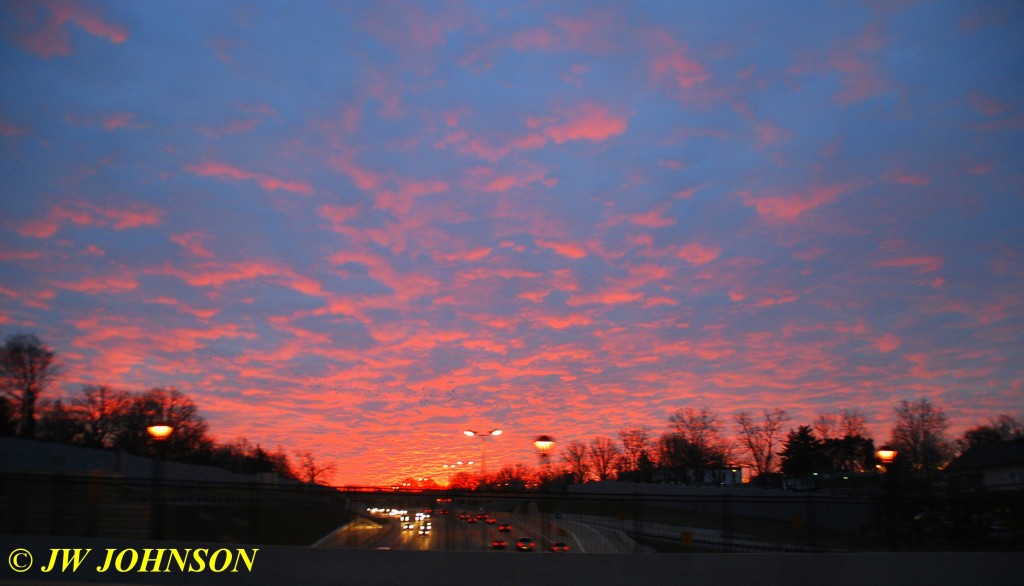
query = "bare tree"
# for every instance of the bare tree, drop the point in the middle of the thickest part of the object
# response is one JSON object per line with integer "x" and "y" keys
{"x": 27, "y": 367}
{"x": 189, "y": 441}
{"x": 312, "y": 471}
{"x": 515, "y": 477}
{"x": 603, "y": 457}
{"x": 999, "y": 429}
{"x": 919, "y": 435}
{"x": 759, "y": 438}
{"x": 636, "y": 449}
{"x": 702, "y": 445}
{"x": 848, "y": 422}
{"x": 575, "y": 456}
{"x": 97, "y": 411}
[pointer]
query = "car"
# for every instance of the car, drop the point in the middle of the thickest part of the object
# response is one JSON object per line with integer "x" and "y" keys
{"x": 498, "y": 544}
{"x": 491, "y": 520}
{"x": 525, "y": 544}
{"x": 463, "y": 516}
{"x": 471, "y": 519}
{"x": 559, "y": 546}
{"x": 408, "y": 526}
{"x": 505, "y": 527}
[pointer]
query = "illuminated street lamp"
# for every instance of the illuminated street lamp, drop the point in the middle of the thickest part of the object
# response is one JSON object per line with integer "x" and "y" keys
{"x": 543, "y": 444}
{"x": 885, "y": 455}
{"x": 482, "y": 435}
{"x": 159, "y": 432}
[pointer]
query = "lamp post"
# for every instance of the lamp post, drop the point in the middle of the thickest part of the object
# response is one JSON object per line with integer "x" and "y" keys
{"x": 159, "y": 433}
{"x": 891, "y": 507}
{"x": 482, "y": 435}
{"x": 885, "y": 455}
{"x": 543, "y": 444}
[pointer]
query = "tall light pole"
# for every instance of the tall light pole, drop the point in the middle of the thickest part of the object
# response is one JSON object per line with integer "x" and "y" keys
{"x": 543, "y": 444}
{"x": 483, "y": 436}
{"x": 159, "y": 432}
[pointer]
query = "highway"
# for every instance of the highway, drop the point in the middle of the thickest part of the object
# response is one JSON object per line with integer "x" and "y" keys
{"x": 455, "y": 529}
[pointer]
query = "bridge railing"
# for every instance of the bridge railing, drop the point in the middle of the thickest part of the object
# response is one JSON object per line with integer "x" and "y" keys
{"x": 590, "y": 519}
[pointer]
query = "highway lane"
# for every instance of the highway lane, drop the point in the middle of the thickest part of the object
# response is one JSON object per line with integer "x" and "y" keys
{"x": 449, "y": 532}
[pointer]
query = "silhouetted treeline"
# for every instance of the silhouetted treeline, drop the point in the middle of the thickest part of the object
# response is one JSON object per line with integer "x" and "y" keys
{"x": 107, "y": 418}
{"x": 696, "y": 450}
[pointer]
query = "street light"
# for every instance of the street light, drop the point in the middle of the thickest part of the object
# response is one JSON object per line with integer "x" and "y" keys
{"x": 159, "y": 432}
{"x": 482, "y": 435}
{"x": 543, "y": 444}
{"x": 885, "y": 455}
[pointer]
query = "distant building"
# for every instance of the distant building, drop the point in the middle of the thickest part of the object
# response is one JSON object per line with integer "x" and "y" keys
{"x": 992, "y": 467}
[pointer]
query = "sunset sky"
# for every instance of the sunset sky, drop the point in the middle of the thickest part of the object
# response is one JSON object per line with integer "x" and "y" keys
{"x": 358, "y": 228}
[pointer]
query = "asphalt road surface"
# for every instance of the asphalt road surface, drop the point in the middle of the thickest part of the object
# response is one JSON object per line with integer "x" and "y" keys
{"x": 450, "y": 532}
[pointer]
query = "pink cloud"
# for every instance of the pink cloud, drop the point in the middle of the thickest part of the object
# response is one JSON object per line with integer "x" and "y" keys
{"x": 678, "y": 70}
{"x": 471, "y": 255}
{"x": 106, "y": 284}
{"x": 133, "y": 215}
{"x": 589, "y": 122}
{"x": 405, "y": 285}
{"x": 402, "y": 200}
{"x": 181, "y": 307}
{"x": 53, "y": 39}
{"x": 8, "y": 129}
{"x": 981, "y": 169}
{"x": 686, "y": 193}
{"x": 888, "y": 342}
{"x": 789, "y": 208}
{"x": 480, "y": 178}
{"x": 772, "y": 301}
{"x": 118, "y": 121}
{"x": 561, "y": 322}
{"x": 923, "y": 264}
{"x": 769, "y": 134}
{"x": 589, "y": 32}
{"x": 215, "y": 275}
{"x": 860, "y": 79}
{"x": 224, "y": 170}
{"x": 533, "y": 38}
{"x": 364, "y": 179}
{"x": 612, "y": 296}
{"x": 699, "y": 254}
{"x": 567, "y": 249}
{"x": 486, "y": 345}
{"x": 233, "y": 127}
{"x": 193, "y": 242}
{"x": 338, "y": 215}
{"x": 986, "y": 105}
{"x": 655, "y": 218}
{"x": 901, "y": 178}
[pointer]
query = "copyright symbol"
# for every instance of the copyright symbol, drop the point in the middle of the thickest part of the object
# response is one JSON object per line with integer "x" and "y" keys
{"x": 20, "y": 560}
